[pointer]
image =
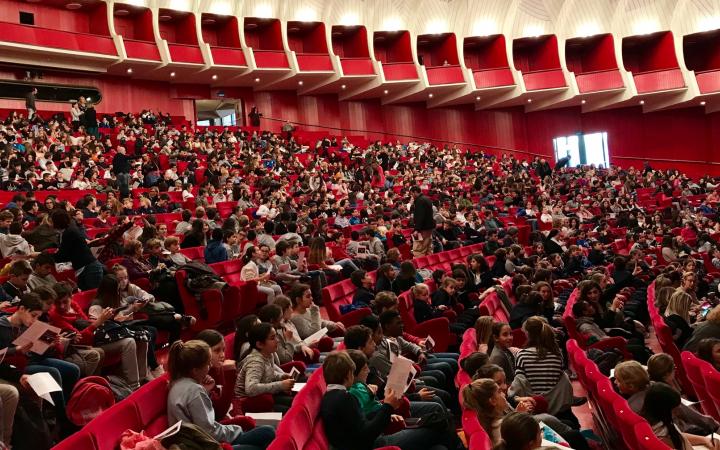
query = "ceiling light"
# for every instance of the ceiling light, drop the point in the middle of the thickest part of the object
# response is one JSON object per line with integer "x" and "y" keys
{"x": 349, "y": 18}
{"x": 214, "y": 77}
{"x": 642, "y": 102}
{"x": 646, "y": 26}
{"x": 529, "y": 100}
{"x": 122, "y": 12}
{"x": 430, "y": 95}
{"x": 703, "y": 103}
{"x": 392, "y": 24}
{"x": 129, "y": 70}
{"x": 533, "y": 31}
{"x": 180, "y": 5}
{"x": 343, "y": 86}
{"x": 88, "y": 99}
{"x": 386, "y": 92}
{"x": 485, "y": 27}
{"x": 165, "y": 18}
{"x": 436, "y": 26}
{"x": 223, "y": 8}
{"x": 588, "y": 29}
{"x": 307, "y": 15}
{"x": 583, "y": 101}
{"x": 477, "y": 98}
{"x": 263, "y": 11}
{"x": 172, "y": 74}
{"x": 209, "y": 21}
{"x": 257, "y": 80}
{"x": 300, "y": 83}
{"x": 73, "y": 5}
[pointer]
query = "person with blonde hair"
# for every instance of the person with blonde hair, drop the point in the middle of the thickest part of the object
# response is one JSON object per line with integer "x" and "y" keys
{"x": 483, "y": 333}
{"x": 662, "y": 297}
{"x": 677, "y": 315}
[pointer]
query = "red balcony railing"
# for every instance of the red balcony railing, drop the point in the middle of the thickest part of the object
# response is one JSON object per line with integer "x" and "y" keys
{"x": 227, "y": 56}
{"x": 487, "y": 78}
{"x": 544, "y": 79}
{"x": 658, "y": 80}
{"x": 601, "y": 80}
{"x": 57, "y": 39}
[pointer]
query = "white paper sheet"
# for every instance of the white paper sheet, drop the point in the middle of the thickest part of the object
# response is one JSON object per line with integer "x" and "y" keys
{"x": 41, "y": 334}
{"x": 43, "y": 384}
{"x": 297, "y": 387}
{"x": 313, "y": 338}
{"x": 401, "y": 375}
{"x": 169, "y": 431}
{"x": 267, "y": 418}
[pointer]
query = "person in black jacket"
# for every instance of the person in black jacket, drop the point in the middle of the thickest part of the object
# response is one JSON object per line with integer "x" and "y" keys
{"x": 385, "y": 276}
{"x": 348, "y": 428}
{"x": 121, "y": 169}
{"x": 74, "y": 248}
{"x": 30, "y": 103}
{"x": 424, "y": 222}
{"x": 364, "y": 295}
{"x": 90, "y": 120}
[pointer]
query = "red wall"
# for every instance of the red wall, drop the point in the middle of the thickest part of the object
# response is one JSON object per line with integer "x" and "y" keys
{"x": 533, "y": 54}
{"x": 352, "y": 45}
{"x": 119, "y": 94}
{"x": 267, "y": 36}
{"x": 591, "y": 55}
{"x": 138, "y": 26}
{"x": 394, "y": 49}
{"x": 654, "y": 52}
{"x": 54, "y": 18}
{"x": 487, "y": 54}
{"x": 687, "y": 135}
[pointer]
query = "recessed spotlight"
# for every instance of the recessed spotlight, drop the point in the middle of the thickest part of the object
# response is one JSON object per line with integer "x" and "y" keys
{"x": 385, "y": 92}
{"x": 257, "y": 80}
{"x": 73, "y": 6}
{"x": 172, "y": 74}
{"x": 477, "y": 98}
{"x": 214, "y": 77}
{"x": 88, "y": 99}
{"x": 583, "y": 101}
{"x": 642, "y": 102}
{"x": 529, "y": 100}
{"x": 703, "y": 103}
{"x": 129, "y": 70}
{"x": 300, "y": 83}
{"x": 165, "y": 18}
{"x": 430, "y": 95}
{"x": 343, "y": 86}
{"x": 209, "y": 21}
{"x": 122, "y": 12}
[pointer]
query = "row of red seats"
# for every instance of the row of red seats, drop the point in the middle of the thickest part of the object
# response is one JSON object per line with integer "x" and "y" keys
{"x": 665, "y": 339}
{"x": 705, "y": 381}
{"x": 616, "y": 421}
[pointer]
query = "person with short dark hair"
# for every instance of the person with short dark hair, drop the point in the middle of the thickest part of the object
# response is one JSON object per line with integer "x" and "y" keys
{"x": 74, "y": 249}
{"x": 215, "y": 251}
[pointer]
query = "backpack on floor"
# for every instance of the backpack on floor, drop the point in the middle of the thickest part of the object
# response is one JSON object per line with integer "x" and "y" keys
{"x": 90, "y": 397}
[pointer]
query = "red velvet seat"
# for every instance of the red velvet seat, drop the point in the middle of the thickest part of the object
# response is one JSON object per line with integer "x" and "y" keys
{"x": 695, "y": 368}
{"x": 109, "y": 426}
{"x": 211, "y": 300}
{"x": 82, "y": 440}
{"x": 438, "y": 328}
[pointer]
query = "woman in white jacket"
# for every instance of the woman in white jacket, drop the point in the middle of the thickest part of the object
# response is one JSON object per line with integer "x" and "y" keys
{"x": 251, "y": 272}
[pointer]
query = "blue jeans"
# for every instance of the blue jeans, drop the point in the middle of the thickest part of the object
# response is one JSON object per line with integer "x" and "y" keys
{"x": 91, "y": 276}
{"x": 65, "y": 374}
{"x": 256, "y": 439}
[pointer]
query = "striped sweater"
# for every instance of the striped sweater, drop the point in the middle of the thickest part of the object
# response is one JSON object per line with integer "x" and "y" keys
{"x": 542, "y": 373}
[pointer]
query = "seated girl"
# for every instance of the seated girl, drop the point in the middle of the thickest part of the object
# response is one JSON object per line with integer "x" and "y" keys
{"x": 531, "y": 405}
{"x": 307, "y": 320}
{"x": 658, "y": 408}
{"x": 633, "y": 383}
{"x": 108, "y": 296}
{"x": 261, "y": 384}
{"x": 188, "y": 399}
{"x": 709, "y": 350}
{"x": 222, "y": 371}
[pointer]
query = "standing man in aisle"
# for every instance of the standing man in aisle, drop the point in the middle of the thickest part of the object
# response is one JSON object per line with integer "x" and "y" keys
{"x": 121, "y": 169}
{"x": 424, "y": 223}
{"x": 30, "y": 102}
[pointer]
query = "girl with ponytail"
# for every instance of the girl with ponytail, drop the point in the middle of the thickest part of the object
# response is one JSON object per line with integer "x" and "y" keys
{"x": 188, "y": 399}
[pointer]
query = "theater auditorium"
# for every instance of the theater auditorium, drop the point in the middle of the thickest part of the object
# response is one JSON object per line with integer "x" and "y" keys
{"x": 359, "y": 224}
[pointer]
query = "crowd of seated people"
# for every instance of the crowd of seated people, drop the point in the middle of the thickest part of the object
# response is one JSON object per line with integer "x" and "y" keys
{"x": 300, "y": 216}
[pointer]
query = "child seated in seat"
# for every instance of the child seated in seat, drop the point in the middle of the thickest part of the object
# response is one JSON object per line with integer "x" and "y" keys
{"x": 260, "y": 375}
{"x": 188, "y": 399}
{"x": 222, "y": 371}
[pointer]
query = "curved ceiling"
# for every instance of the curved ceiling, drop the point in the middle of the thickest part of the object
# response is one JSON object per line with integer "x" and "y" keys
{"x": 514, "y": 18}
